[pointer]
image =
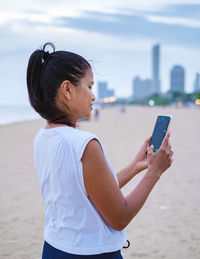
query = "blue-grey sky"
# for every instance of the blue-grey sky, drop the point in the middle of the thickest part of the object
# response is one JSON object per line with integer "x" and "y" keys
{"x": 116, "y": 36}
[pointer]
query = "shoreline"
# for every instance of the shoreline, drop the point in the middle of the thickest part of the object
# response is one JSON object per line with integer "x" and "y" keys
{"x": 34, "y": 116}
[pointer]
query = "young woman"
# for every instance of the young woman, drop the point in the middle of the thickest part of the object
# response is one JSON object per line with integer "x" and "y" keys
{"x": 85, "y": 211}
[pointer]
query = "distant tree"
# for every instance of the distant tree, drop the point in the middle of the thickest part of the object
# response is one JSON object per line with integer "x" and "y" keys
{"x": 197, "y": 95}
{"x": 159, "y": 100}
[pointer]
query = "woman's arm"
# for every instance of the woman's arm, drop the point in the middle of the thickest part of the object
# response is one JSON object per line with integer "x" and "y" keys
{"x": 105, "y": 193}
{"x": 136, "y": 166}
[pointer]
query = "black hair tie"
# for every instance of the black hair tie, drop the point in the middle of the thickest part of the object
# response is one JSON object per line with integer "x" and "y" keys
{"x": 127, "y": 245}
{"x": 45, "y": 54}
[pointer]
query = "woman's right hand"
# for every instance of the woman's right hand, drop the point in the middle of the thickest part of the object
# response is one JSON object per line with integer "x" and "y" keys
{"x": 161, "y": 160}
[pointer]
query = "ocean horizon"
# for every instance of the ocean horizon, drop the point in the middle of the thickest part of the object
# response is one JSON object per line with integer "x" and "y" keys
{"x": 18, "y": 113}
{"x": 14, "y": 113}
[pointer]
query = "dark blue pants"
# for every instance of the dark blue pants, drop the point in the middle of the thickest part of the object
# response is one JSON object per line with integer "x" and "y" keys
{"x": 49, "y": 252}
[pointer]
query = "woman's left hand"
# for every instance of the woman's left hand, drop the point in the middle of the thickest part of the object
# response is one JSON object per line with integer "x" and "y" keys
{"x": 140, "y": 160}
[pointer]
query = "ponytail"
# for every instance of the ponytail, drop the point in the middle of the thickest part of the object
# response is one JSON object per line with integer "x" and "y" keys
{"x": 33, "y": 78}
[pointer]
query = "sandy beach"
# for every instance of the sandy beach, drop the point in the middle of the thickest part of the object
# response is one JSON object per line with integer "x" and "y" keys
{"x": 168, "y": 226}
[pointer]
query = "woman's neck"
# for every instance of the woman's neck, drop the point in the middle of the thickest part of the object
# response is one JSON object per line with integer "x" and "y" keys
{"x": 50, "y": 125}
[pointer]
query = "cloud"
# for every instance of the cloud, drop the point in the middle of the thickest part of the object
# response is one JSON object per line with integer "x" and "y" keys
{"x": 188, "y": 10}
{"x": 174, "y": 21}
{"x": 169, "y": 30}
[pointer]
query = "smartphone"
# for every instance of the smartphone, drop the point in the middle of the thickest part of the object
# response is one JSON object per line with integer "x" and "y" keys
{"x": 160, "y": 129}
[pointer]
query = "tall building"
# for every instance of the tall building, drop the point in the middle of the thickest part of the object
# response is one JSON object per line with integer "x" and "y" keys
{"x": 156, "y": 69}
{"x": 197, "y": 83}
{"x": 141, "y": 88}
{"x": 103, "y": 90}
{"x": 177, "y": 79}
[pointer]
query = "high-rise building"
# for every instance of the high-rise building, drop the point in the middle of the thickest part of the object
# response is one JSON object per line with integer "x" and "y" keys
{"x": 103, "y": 90}
{"x": 197, "y": 83}
{"x": 156, "y": 69}
{"x": 141, "y": 88}
{"x": 177, "y": 79}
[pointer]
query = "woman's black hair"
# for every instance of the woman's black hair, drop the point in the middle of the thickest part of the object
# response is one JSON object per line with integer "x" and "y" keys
{"x": 45, "y": 73}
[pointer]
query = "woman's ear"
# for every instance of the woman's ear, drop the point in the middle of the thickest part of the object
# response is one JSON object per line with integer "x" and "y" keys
{"x": 66, "y": 89}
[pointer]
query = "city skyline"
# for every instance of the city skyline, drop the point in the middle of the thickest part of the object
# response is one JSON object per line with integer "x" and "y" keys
{"x": 147, "y": 87}
{"x": 115, "y": 36}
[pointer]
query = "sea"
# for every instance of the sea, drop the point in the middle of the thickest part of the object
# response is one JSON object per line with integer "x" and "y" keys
{"x": 12, "y": 114}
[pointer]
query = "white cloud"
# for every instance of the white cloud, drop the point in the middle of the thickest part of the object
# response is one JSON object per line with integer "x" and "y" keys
{"x": 174, "y": 21}
{"x": 45, "y": 11}
{"x": 9, "y": 16}
{"x": 75, "y": 8}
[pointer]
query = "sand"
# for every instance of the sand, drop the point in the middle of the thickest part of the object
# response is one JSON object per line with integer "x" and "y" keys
{"x": 168, "y": 226}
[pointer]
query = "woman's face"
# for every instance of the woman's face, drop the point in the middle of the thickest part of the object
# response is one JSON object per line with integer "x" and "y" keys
{"x": 82, "y": 97}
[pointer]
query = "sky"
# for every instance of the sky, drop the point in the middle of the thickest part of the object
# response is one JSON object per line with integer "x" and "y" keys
{"x": 116, "y": 36}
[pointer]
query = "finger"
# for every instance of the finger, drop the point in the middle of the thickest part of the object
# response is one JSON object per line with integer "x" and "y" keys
{"x": 169, "y": 146}
{"x": 166, "y": 140}
{"x": 150, "y": 149}
{"x": 146, "y": 144}
{"x": 147, "y": 141}
{"x": 171, "y": 154}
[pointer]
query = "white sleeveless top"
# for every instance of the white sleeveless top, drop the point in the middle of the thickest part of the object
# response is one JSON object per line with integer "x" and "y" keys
{"x": 72, "y": 223}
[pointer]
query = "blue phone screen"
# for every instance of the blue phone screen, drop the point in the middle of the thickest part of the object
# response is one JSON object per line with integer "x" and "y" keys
{"x": 159, "y": 132}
